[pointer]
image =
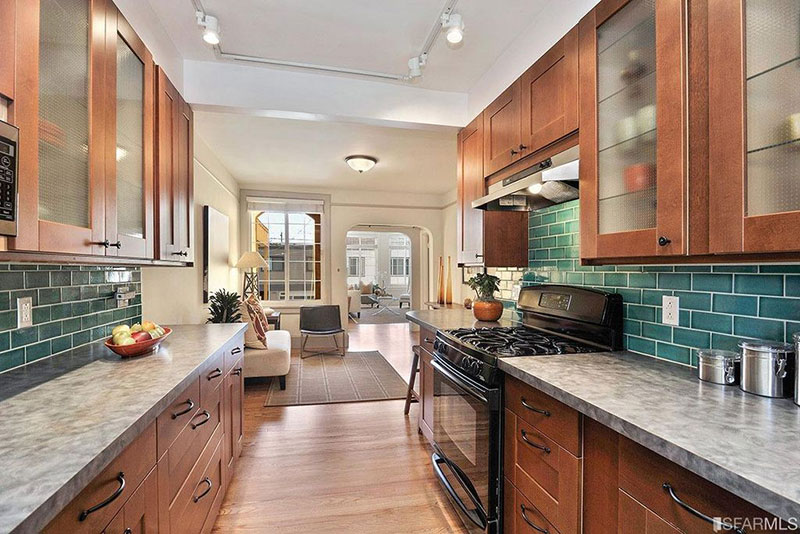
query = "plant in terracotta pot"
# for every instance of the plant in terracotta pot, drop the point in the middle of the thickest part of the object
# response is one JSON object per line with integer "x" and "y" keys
{"x": 486, "y": 307}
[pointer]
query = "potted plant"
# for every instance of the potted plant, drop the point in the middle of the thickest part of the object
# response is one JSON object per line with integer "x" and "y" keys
{"x": 223, "y": 306}
{"x": 486, "y": 307}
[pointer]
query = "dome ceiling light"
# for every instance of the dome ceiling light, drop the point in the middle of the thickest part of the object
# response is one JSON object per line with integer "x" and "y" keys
{"x": 210, "y": 27}
{"x": 361, "y": 163}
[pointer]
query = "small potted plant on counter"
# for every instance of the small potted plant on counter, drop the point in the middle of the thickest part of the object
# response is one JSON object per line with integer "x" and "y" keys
{"x": 486, "y": 307}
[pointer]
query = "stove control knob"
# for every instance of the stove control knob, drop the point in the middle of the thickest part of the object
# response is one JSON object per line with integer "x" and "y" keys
{"x": 437, "y": 345}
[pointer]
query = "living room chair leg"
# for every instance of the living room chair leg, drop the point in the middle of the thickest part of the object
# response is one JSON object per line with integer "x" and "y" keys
{"x": 282, "y": 380}
{"x": 411, "y": 395}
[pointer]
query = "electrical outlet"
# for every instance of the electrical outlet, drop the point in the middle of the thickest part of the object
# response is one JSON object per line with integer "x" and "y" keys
{"x": 24, "y": 312}
{"x": 670, "y": 308}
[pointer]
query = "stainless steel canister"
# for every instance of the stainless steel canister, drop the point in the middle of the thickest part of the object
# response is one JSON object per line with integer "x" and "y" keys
{"x": 719, "y": 366}
{"x": 767, "y": 368}
{"x": 796, "y": 338}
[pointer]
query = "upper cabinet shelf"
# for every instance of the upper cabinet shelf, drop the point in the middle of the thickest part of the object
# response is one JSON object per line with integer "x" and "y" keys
{"x": 82, "y": 90}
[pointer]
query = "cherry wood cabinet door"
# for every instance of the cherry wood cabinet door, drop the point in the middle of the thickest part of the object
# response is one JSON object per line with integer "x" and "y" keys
{"x": 130, "y": 88}
{"x": 633, "y": 142}
{"x": 635, "y": 518}
{"x": 140, "y": 514}
{"x": 471, "y": 186}
{"x": 502, "y": 144}
{"x": 175, "y": 180}
{"x": 60, "y": 108}
{"x": 549, "y": 95}
{"x": 754, "y": 122}
{"x": 8, "y": 11}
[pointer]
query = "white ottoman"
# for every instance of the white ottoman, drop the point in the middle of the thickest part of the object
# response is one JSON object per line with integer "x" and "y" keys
{"x": 273, "y": 361}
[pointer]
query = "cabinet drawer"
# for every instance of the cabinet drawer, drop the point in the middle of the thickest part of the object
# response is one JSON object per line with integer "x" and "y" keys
{"x": 132, "y": 466}
{"x": 231, "y": 356}
{"x": 187, "y": 447}
{"x": 177, "y": 416}
{"x": 211, "y": 377}
{"x": 634, "y": 518}
{"x": 555, "y": 419}
{"x": 188, "y": 512}
{"x": 642, "y": 474}
{"x": 546, "y": 474}
{"x": 524, "y": 518}
{"x": 140, "y": 513}
{"x": 426, "y": 339}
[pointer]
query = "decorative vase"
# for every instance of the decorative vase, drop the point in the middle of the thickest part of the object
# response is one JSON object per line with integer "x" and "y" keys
{"x": 448, "y": 294}
{"x": 440, "y": 286}
{"x": 487, "y": 310}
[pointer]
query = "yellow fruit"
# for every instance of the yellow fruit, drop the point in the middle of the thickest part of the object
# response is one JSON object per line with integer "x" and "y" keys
{"x": 148, "y": 325}
{"x": 120, "y": 328}
{"x": 127, "y": 341}
{"x": 119, "y": 337}
{"x": 136, "y": 328}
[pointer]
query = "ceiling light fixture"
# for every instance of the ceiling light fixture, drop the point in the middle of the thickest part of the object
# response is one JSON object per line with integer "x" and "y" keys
{"x": 415, "y": 65}
{"x": 210, "y": 27}
{"x": 453, "y": 26}
{"x": 361, "y": 163}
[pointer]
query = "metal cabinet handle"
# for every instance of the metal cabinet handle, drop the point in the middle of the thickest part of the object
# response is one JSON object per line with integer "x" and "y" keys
{"x": 85, "y": 513}
{"x": 204, "y": 421}
{"x": 522, "y": 147}
{"x": 180, "y": 253}
{"x": 534, "y": 408}
{"x": 718, "y": 523}
{"x": 531, "y": 523}
{"x": 514, "y": 152}
{"x": 210, "y": 485}
{"x": 190, "y": 405}
{"x": 236, "y": 350}
{"x": 428, "y": 340}
{"x": 127, "y": 531}
{"x": 544, "y": 448}
{"x": 216, "y": 373}
{"x": 237, "y": 371}
{"x": 104, "y": 244}
{"x": 117, "y": 245}
{"x": 663, "y": 241}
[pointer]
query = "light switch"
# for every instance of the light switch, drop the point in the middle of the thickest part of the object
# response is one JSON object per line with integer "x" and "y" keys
{"x": 24, "y": 312}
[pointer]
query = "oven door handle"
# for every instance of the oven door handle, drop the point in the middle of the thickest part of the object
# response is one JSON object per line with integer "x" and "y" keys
{"x": 476, "y": 515}
{"x": 477, "y": 391}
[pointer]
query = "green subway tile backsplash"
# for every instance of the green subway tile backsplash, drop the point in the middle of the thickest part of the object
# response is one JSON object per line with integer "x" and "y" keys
{"x": 72, "y": 306}
{"x": 720, "y": 304}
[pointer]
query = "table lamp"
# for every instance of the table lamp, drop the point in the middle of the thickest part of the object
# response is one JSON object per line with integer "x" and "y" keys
{"x": 250, "y": 262}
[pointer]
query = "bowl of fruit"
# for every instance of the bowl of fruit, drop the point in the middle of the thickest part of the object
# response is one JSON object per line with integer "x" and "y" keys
{"x": 138, "y": 339}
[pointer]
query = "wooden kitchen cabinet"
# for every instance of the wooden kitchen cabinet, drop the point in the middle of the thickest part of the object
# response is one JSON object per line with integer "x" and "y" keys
{"x": 633, "y": 129}
{"x": 175, "y": 176}
{"x": 754, "y": 123}
{"x": 502, "y": 139}
{"x": 140, "y": 514}
{"x": 233, "y": 393}
{"x": 549, "y": 96}
{"x": 488, "y": 238}
{"x": 8, "y": 10}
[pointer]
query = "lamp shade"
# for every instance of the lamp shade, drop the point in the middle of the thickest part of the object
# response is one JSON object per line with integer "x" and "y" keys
{"x": 251, "y": 260}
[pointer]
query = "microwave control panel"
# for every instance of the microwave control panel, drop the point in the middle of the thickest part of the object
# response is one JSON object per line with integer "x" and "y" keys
{"x": 9, "y": 137}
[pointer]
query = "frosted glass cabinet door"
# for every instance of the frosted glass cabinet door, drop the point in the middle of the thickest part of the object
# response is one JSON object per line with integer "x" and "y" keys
{"x": 130, "y": 141}
{"x": 755, "y": 158}
{"x": 633, "y": 153}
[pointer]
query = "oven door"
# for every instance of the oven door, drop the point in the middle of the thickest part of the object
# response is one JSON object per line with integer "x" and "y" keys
{"x": 466, "y": 435}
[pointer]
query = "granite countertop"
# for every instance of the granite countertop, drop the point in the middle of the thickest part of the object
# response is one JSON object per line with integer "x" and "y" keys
{"x": 746, "y": 444}
{"x": 456, "y": 317}
{"x": 65, "y": 418}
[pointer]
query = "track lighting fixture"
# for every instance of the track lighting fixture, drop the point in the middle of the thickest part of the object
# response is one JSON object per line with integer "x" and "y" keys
{"x": 415, "y": 65}
{"x": 453, "y": 26}
{"x": 210, "y": 27}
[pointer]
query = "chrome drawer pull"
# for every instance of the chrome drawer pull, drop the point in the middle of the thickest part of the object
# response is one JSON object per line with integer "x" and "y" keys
{"x": 204, "y": 421}
{"x": 237, "y": 371}
{"x": 109, "y": 500}
{"x": 718, "y": 523}
{"x": 533, "y": 408}
{"x": 189, "y": 403}
{"x": 210, "y": 485}
{"x": 544, "y": 448}
{"x": 531, "y": 523}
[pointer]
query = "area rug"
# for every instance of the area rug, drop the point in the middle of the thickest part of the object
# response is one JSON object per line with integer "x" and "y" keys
{"x": 358, "y": 377}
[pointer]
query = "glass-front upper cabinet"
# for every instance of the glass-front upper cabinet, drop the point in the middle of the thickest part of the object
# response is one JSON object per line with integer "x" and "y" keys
{"x": 754, "y": 121}
{"x": 633, "y": 124}
{"x": 129, "y": 141}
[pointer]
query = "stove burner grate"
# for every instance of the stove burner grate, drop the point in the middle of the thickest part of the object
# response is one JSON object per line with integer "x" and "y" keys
{"x": 517, "y": 341}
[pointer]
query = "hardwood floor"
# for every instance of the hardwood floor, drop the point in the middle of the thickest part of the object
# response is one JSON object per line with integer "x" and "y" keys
{"x": 337, "y": 468}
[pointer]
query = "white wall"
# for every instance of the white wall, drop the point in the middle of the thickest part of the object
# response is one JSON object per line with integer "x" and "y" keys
{"x": 450, "y": 236}
{"x": 174, "y": 295}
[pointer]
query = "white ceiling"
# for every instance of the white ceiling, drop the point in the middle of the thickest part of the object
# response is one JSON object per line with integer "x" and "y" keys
{"x": 261, "y": 151}
{"x": 362, "y": 34}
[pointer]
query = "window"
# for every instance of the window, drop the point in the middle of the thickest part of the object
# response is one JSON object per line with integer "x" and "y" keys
{"x": 399, "y": 266}
{"x": 288, "y": 235}
{"x": 356, "y": 266}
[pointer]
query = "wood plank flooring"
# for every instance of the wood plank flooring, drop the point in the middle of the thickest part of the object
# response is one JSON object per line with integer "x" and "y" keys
{"x": 338, "y": 468}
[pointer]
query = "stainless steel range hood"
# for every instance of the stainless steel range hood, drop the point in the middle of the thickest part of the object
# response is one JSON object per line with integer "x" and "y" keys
{"x": 549, "y": 182}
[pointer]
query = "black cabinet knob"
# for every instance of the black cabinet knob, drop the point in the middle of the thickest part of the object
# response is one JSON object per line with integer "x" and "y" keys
{"x": 664, "y": 241}
{"x": 523, "y": 147}
{"x": 514, "y": 152}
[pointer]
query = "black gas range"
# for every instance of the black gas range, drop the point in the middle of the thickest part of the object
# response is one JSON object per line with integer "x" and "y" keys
{"x": 467, "y": 386}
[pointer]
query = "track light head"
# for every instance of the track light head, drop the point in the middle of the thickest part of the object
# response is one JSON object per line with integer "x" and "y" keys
{"x": 415, "y": 65}
{"x": 210, "y": 27}
{"x": 453, "y": 26}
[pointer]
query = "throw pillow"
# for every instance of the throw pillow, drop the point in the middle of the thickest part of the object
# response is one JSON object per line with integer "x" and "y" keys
{"x": 257, "y": 321}
{"x": 366, "y": 289}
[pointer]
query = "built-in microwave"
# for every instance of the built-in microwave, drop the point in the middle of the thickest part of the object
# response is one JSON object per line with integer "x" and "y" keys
{"x": 9, "y": 140}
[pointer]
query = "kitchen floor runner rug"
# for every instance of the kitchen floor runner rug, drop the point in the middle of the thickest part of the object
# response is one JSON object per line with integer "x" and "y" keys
{"x": 327, "y": 379}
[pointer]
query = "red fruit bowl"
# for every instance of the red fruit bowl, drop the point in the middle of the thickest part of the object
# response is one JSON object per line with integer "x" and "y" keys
{"x": 139, "y": 348}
